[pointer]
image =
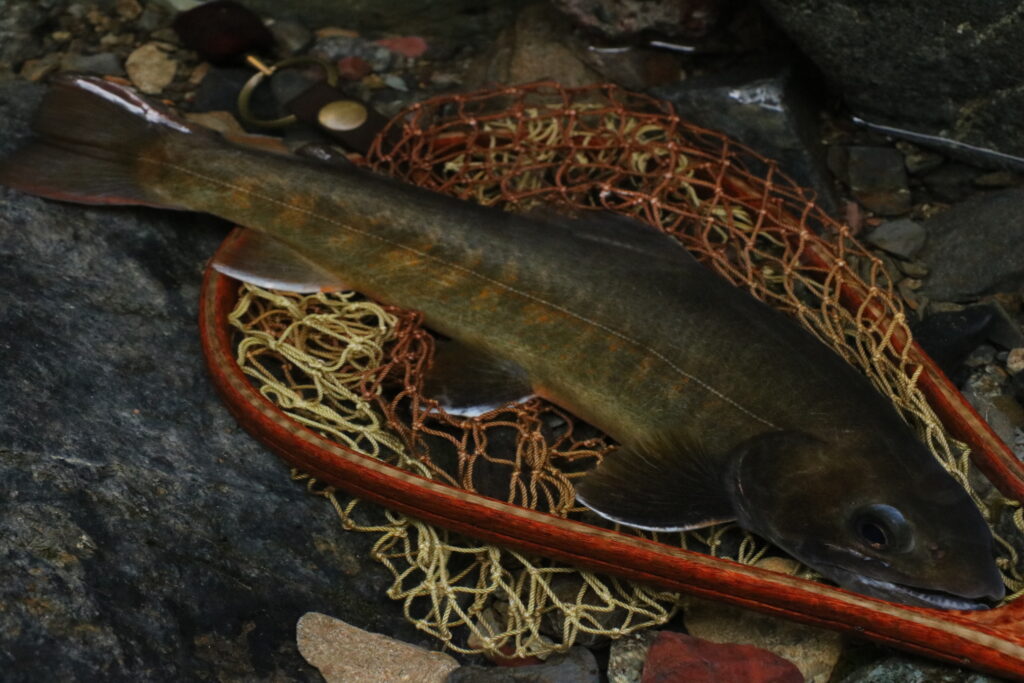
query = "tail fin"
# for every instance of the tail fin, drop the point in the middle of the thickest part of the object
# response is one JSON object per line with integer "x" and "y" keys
{"x": 90, "y": 133}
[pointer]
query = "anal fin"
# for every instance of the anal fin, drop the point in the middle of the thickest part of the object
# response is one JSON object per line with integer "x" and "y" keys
{"x": 657, "y": 489}
{"x": 470, "y": 382}
{"x": 259, "y": 259}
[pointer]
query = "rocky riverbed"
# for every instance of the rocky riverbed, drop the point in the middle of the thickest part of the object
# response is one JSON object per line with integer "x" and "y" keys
{"x": 145, "y": 536}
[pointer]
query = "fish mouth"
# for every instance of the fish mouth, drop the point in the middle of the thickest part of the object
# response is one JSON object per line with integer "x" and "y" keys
{"x": 908, "y": 595}
{"x": 901, "y": 593}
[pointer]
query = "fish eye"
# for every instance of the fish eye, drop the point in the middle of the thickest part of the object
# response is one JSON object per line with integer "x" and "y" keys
{"x": 882, "y": 527}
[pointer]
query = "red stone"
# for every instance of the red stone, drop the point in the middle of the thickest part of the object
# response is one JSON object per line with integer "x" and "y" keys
{"x": 353, "y": 68}
{"x": 677, "y": 657}
{"x": 407, "y": 46}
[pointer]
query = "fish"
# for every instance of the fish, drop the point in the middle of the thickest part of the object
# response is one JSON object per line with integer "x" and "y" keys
{"x": 723, "y": 409}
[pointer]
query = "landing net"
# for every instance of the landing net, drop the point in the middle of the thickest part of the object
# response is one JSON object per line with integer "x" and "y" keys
{"x": 352, "y": 370}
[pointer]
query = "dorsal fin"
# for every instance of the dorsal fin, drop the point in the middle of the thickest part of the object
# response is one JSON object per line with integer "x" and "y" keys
{"x": 259, "y": 259}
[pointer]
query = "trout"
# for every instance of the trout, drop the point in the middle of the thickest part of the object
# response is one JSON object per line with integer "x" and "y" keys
{"x": 724, "y": 409}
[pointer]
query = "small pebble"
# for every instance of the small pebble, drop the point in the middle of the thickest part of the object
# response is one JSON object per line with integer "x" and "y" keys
{"x": 395, "y": 82}
{"x": 997, "y": 179}
{"x": 220, "y": 121}
{"x": 37, "y": 69}
{"x": 878, "y": 179}
{"x": 354, "y": 68}
{"x": 103, "y": 64}
{"x": 128, "y": 9}
{"x": 166, "y": 35}
{"x": 407, "y": 46}
{"x": 335, "y": 32}
{"x": 918, "y": 160}
{"x": 343, "y": 652}
{"x": 914, "y": 269}
{"x": 1015, "y": 360}
{"x": 150, "y": 68}
{"x": 578, "y": 665}
{"x": 626, "y": 657}
{"x": 291, "y": 36}
{"x": 153, "y": 17}
{"x": 904, "y": 238}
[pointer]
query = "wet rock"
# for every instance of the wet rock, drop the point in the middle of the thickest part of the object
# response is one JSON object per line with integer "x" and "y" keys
{"x": 997, "y": 179}
{"x": 102, "y": 63}
{"x": 21, "y": 25}
{"x": 1015, "y": 360}
{"x": 627, "y": 655}
{"x": 906, "y": 670}
{"x": 919, "y": 160}
{"x": 354, "y": 68}
{"x": 222, "y": 31}
{"x": 151, "y": 68}
{"x": 813, "y": 651}
{"x": 951, "y": 182}
{"x": 38, "y": 69}
{"x": 877, "y": 177}
{"x": 343, "y": 653}
{"x": 334, "y": 48}
{"x": 634, "y": 68}
{"x": 154, "y": 16}
{"x": 766, "y": 107}
{"x": 413, "y": 47}
{"x": 948, "y": 337}
{"x": 144, "y": 535}
{"x": 128, "y": 10}
{"x": 220, "y": 121}
{"x": 291, "y": 36}
{"x": 451, "y": 25}
{"x": 987, "y": 390}
{"x": 534, "y": 48}
{"x": 679, "y": 657}
{"x": 904, "y": 238}
{"x": 1006, "y": 330}
{"x": 953, "y": 70}
{"x": 624, "y": 19}
{"x": 976, "y": 247}
{"x": 578, "y": 665}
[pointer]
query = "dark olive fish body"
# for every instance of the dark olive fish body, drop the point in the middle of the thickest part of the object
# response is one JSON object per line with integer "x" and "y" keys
{"x": 724, "y": 408}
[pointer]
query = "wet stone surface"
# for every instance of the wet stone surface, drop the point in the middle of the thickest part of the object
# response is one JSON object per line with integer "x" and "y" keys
{"x": 143, "y": 534}
{"x": 763, "y": 106}
{"x": 976, "y": 247}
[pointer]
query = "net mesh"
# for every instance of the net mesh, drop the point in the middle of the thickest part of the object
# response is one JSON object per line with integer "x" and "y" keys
{"x": 352, "y": 370}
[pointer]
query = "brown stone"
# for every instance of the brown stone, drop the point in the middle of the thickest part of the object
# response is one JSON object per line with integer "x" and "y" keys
{"x": 344, "y": 653}
{"x": 676, "y": 657}
{"x": 150, "y": 68}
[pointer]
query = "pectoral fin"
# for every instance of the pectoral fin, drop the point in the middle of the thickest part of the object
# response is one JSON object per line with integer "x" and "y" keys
{"x": 659, "y": 488}
{"x": 468, "y": 381}
{"x": 259, "y": 259}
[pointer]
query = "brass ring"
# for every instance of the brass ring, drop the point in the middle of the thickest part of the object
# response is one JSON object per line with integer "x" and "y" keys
{"x": 245, "y": 94}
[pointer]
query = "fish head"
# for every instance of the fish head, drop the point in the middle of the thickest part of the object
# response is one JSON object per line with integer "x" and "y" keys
{"x": 883, "y": 518}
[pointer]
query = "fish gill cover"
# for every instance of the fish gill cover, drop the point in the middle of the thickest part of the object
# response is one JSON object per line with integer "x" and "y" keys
{"x": 352, "y": 370}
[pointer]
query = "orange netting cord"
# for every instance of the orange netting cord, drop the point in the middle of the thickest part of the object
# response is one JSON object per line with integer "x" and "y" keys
{"x": 353, "y": 370}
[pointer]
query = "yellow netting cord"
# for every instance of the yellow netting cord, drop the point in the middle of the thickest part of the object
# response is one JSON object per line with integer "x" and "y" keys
{"x": 351, "y": 369}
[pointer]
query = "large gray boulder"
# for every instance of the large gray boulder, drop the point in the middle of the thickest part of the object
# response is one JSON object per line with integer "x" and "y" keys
{"x": 946, "y": 67}
{"x": 143, "y": 535}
